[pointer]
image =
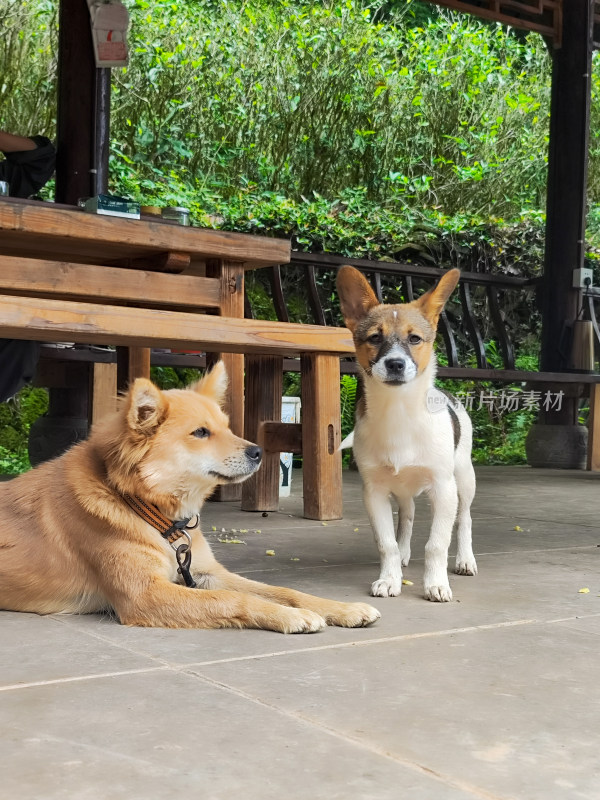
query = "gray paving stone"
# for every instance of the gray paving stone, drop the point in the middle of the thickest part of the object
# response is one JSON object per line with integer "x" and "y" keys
{"x": 491, "y": 696}
{"x": 162, "y": 737}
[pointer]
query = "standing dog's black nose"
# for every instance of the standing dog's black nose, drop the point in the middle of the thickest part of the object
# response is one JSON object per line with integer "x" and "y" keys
{"x": 254, "y": 453}
{"x": 395, "y": 366}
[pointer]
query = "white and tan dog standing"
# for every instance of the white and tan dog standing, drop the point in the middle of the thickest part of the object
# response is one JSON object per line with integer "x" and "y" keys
{"x": 405, "y": 441}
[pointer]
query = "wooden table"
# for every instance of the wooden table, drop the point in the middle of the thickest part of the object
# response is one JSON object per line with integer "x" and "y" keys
{"x": 61, "y": 254}
{"x": 71, "y": 276}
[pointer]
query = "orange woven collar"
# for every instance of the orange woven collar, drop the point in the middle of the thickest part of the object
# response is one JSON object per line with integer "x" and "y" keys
{"x": 169, "y": 529}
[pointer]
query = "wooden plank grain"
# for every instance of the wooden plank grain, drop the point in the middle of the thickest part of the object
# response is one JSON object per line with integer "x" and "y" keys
{"x": 40, "y": 319}
{"x": 41, "y": 277}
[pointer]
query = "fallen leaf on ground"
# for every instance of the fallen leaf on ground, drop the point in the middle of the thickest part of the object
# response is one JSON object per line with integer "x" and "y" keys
{"x": 584, "y": 591}
{"x": 270, "y": 552}
{"x": 407, "y": 583}
{"x": 517, "y": 528}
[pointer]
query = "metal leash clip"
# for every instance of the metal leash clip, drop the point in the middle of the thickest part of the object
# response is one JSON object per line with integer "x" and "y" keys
{"x": 183, "y": 554}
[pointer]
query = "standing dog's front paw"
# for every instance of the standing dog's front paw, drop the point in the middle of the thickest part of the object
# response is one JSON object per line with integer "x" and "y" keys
{"x": 391, "y": 587}
{"x": 466, "y": 566}
{"x": 439, "y": 594}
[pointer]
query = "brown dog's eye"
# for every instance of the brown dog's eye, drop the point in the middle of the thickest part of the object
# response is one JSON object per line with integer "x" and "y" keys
{"x": 414, "y": 339}
{"x": 201, "y": 433}
{"x": 375, "y": 338}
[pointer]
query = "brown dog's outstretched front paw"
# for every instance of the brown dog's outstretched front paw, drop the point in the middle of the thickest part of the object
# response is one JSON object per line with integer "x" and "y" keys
{"x": 352, "y": 615}
{"x": 297, "y": 620}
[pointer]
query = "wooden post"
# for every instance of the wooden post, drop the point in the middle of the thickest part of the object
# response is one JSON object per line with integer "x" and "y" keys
{"x": 231, "y": 275}
{"x": 567, "y": 180}
{"x": 83, "y": 109}
{"x": 321, "y": 437}
{"x": 264, "y": 387}
{"x": 593, "y": 454}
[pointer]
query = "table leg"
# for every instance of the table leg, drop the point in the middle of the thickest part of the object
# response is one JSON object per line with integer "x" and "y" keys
{"x": 103, "y": 390}
{"x": 321, "y": 437}
{"x": 264, "y": 387}
{"x": 132, "y": 363}
{"x": 231, "y": 276}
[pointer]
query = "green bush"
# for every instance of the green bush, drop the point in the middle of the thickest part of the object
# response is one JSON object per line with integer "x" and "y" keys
{"x": 16, "y": 417}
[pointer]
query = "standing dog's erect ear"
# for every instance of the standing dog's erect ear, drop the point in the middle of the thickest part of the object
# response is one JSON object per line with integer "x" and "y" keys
{"x": 214, "y": 383}
{"x": 147, "y": 407}
{"x": 356, "y": 296}
{"x": 432, "y": 302}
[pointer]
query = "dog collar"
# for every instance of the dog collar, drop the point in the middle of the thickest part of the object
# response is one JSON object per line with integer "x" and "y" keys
{"x": 169, "y": 530}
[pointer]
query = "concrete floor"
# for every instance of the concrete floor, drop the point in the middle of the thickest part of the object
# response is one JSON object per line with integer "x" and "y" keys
{"x": 495, "y": 695}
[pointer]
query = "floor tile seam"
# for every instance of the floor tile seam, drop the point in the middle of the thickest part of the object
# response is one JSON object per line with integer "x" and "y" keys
{"x": 107, "y": 640}
{"x": 79, "y": 678}
{"x": 349, "y": 739}
{"x": 364, "y": 643}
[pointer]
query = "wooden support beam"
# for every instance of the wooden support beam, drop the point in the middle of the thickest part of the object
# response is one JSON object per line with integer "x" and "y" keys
{"x": 567, "y": 182}
{"x": 83, "y": 109}
{"x": 264, "y": 387}
{"x": 321, "y": 437}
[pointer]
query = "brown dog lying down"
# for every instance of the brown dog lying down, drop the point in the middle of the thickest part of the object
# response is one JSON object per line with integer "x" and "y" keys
{"x": 71, "y": 542}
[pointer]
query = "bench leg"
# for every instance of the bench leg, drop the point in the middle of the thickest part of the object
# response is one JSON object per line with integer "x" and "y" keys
{"x": 593, "y": 455}
{"x": 264, "y": 386}
{"x": 321, "y": 437}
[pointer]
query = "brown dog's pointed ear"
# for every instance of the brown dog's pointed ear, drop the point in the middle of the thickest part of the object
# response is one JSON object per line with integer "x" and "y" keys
{"x": 214, "y": 383}
{"x": 432, "y": 302}
{"x": 147, "y": 407}
{"x": 356, "y": 296}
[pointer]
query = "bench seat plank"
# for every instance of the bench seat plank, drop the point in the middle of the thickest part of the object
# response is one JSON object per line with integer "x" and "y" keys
{"x": 46, "y": 320}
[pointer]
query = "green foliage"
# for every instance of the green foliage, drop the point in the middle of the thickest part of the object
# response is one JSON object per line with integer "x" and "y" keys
{"x": 174, "y": 377}
{"x": 304, "y": 97}
{"x": 16, "y": 417}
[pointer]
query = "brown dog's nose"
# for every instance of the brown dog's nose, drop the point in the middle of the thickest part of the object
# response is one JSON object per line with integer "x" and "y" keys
{"x": 254, "y": 453}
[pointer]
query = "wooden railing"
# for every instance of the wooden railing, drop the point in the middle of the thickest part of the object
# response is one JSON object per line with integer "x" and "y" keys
{"x": 483, "y": 310}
